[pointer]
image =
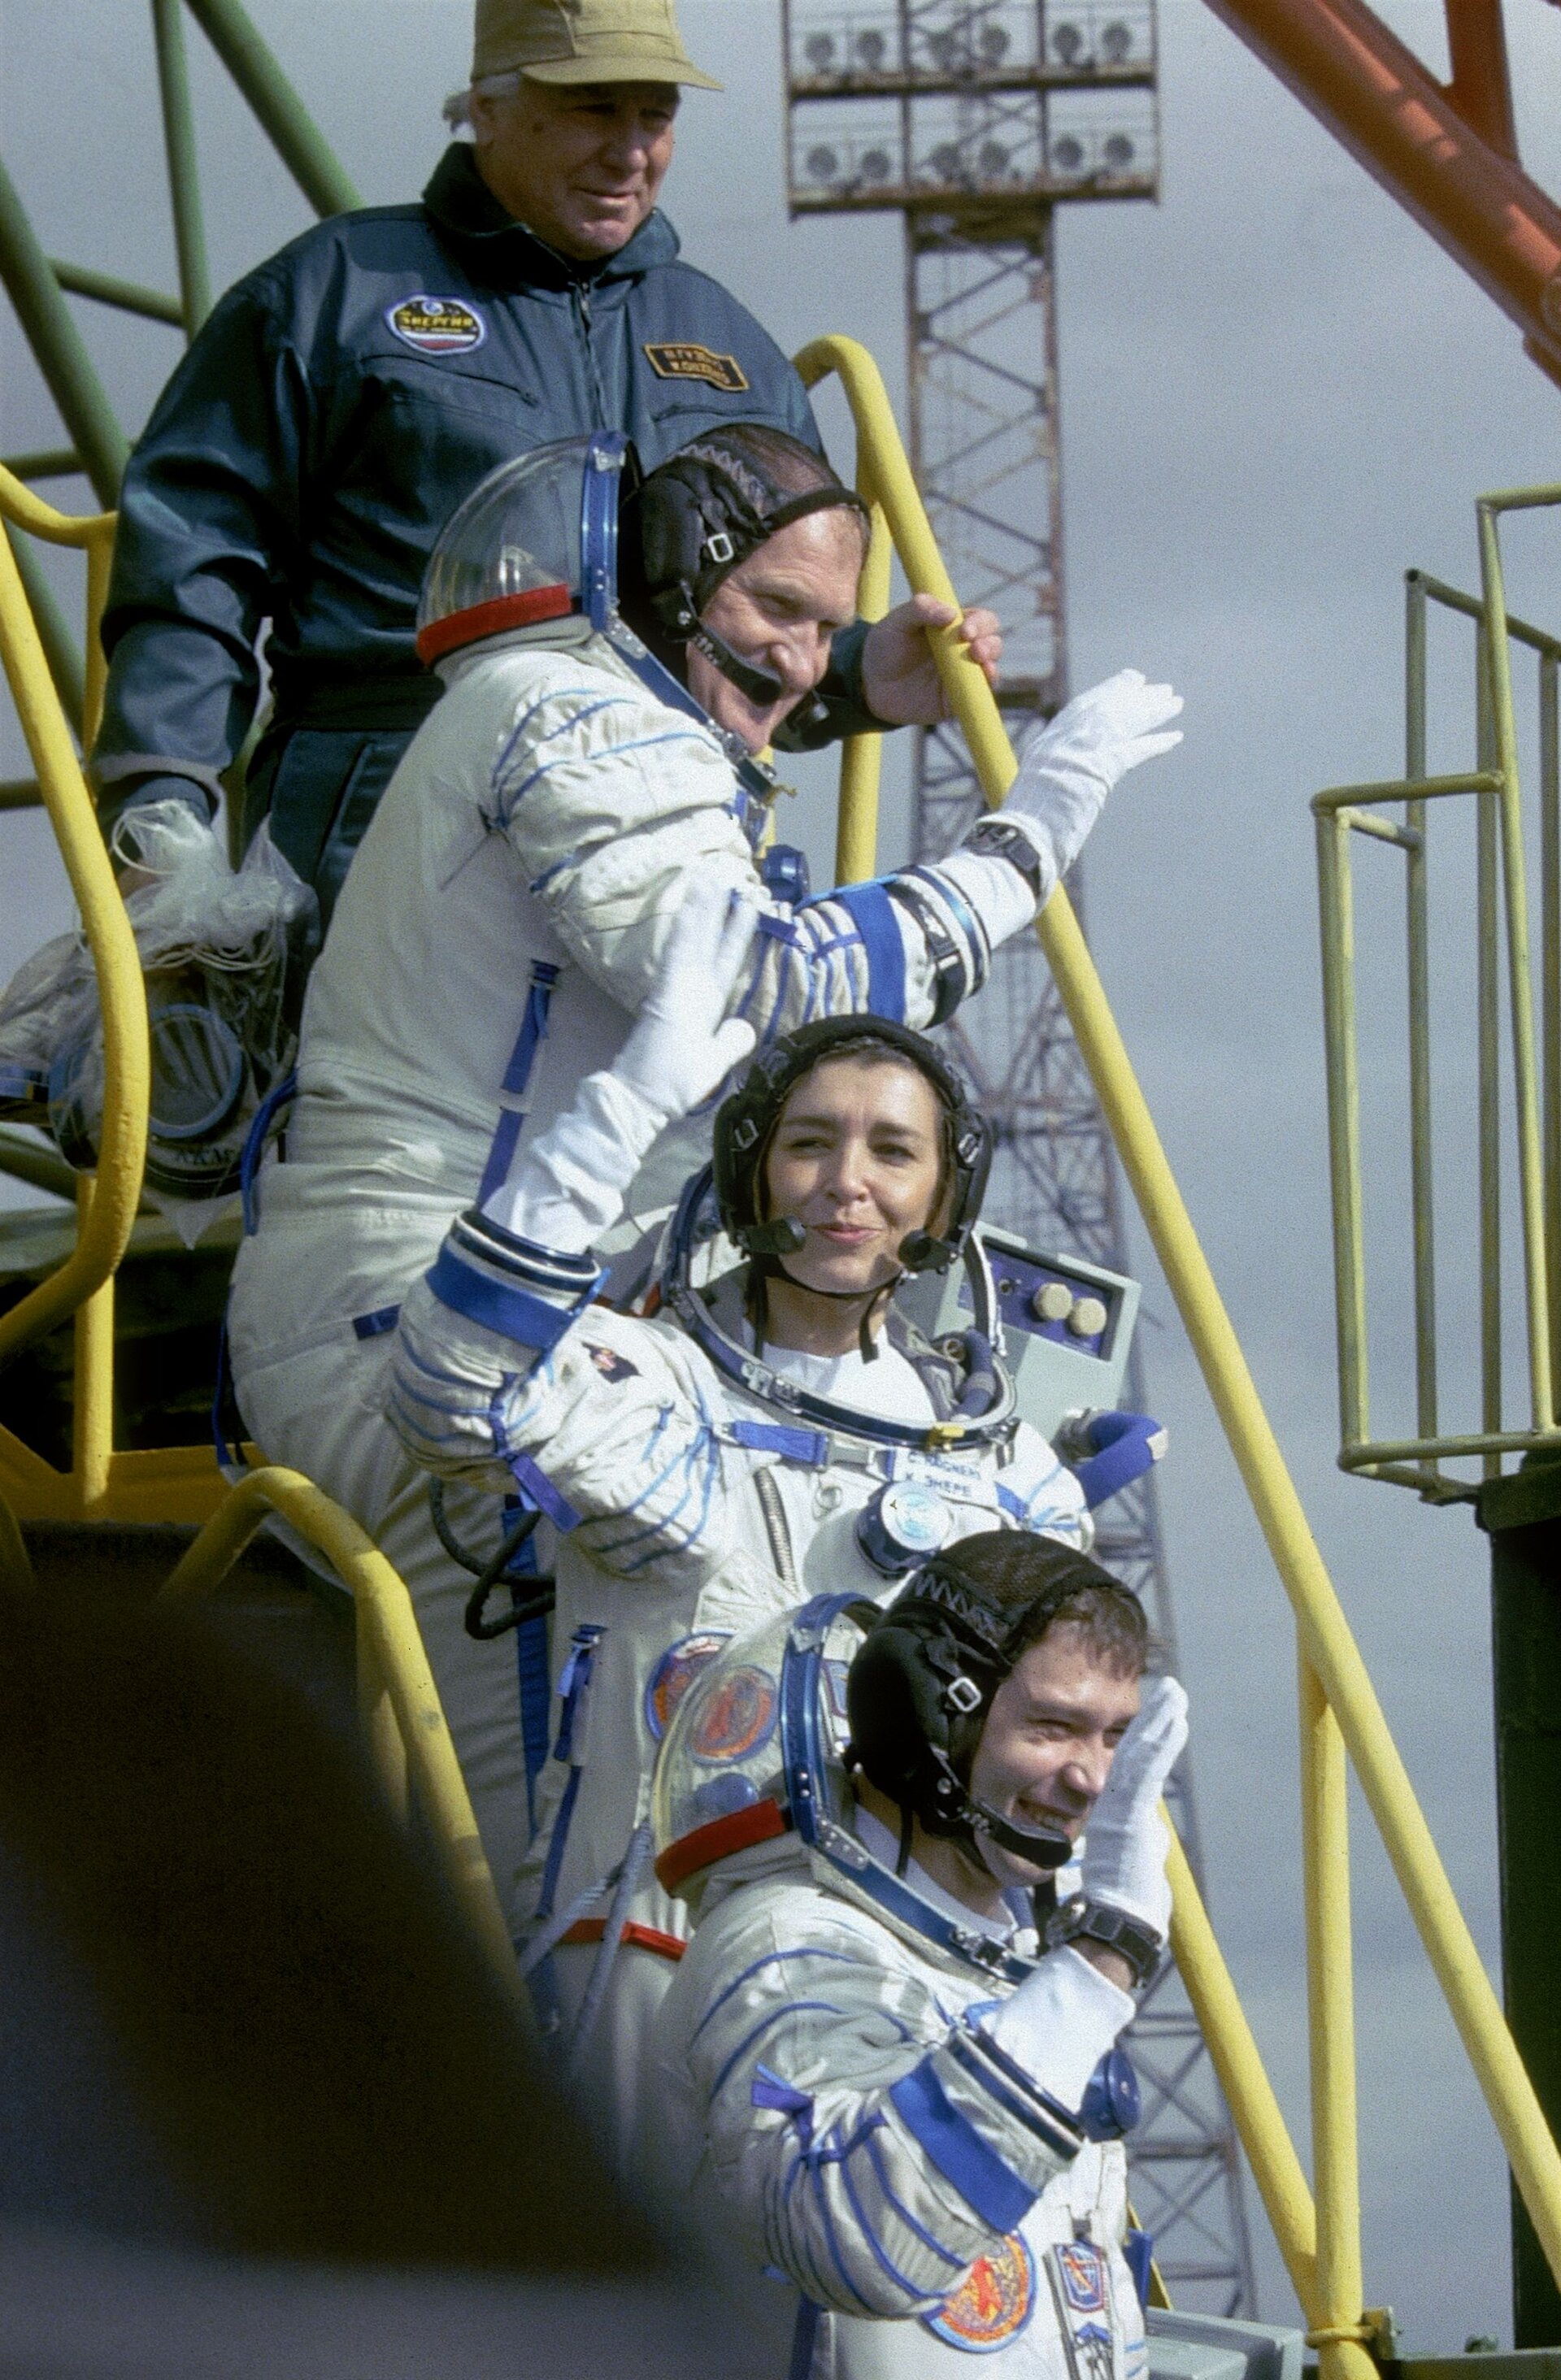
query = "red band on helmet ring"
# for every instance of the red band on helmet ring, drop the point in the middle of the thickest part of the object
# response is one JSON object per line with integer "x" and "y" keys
{"x": 479, "y": 620}
{"x": 759, "y": 1822}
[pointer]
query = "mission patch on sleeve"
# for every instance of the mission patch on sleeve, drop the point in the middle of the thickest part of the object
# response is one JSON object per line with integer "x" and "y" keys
{"x": 682, "y": 360}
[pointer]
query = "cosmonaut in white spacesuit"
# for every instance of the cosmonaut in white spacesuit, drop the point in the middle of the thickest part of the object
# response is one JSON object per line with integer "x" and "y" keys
{"x": 868, "y": 2077}
{"x": 777, "y": 1428}
{"x": 508, "y": 911}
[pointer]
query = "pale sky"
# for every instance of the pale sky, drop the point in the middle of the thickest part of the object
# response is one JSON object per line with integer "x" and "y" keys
{"x": 1277, "y": 395}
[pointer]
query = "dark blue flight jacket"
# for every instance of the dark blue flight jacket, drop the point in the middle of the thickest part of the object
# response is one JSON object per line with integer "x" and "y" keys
{"x": 336, "y": 406}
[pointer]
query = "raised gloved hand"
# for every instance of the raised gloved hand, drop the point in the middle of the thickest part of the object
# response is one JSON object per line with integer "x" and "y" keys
{"x": 683, "y": 1043}
{"x": 1067, "y": 772}
{"x": 1126, "y": 1839}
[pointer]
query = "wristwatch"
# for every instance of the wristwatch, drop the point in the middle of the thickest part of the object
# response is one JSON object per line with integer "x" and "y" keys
{"x": 1078, "y": 1920}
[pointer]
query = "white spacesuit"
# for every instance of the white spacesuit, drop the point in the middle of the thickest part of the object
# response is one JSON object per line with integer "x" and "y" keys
{"x": 507, "y": 912}
{"x": 702, "y": 1487}
{"x": 857, "y": 2088}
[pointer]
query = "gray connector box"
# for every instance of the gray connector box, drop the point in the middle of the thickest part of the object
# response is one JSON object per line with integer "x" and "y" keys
{"x": 1067, "y": 1325}
{"x": 1207, "y": 2347}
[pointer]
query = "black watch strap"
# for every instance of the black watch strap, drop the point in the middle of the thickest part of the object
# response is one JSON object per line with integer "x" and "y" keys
{"x": 998, "y": 837}
{"x": 1097, "y": 1920}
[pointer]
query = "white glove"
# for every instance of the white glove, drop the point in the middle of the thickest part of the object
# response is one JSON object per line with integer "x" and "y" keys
{"x": 684, "y": 1044}
{"x": 1126, "y": 1839}
{"x": 568, "y": 1188}
{"x": 1067, "y": 772}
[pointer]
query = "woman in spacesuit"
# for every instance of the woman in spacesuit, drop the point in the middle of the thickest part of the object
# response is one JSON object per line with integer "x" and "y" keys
{"x": 776, "y": 1427}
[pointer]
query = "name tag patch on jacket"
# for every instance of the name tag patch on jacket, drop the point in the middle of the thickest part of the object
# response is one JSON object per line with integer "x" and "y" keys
{"x": 436, "y": 326}
{"x": 992, "y": 2303}
{"x": 682, "y": 360}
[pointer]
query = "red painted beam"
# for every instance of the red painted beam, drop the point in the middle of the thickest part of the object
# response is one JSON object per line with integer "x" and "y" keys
{"x": 1481, "y": 90}
{"x": 1457, "y": 174}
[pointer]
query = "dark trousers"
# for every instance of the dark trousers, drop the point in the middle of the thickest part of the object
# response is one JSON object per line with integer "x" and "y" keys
{"x": 321, "y": 786}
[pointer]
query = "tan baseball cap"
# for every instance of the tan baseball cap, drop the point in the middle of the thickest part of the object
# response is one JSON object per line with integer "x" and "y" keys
{"x": 584, "y": 41}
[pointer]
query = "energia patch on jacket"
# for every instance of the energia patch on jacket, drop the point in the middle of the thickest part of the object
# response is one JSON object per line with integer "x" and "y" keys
{"x": 683, "y": 359}
{"x": 436, "y": 326}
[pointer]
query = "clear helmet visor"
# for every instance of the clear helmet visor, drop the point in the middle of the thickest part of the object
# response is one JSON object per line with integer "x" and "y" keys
{"x": 722, "y": 1782}
{"x": 535, "y": 541}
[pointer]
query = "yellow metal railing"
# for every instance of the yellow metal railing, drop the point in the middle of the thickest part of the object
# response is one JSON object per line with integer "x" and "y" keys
{"x": 1340, "y": 1717}
{"x": 84, "y": 1284}
{"x": 1501, "y": 912}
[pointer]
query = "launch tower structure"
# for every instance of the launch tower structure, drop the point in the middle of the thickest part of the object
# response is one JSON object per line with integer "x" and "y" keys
{"x": 974, "y": 119}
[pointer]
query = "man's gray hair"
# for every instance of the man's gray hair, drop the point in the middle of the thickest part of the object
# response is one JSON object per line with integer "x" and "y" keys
{"x": 457, "y": 110}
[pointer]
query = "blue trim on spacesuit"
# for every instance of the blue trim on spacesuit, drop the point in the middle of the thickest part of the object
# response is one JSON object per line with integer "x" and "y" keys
{"x": 498, "y": 1305}
{"x": 1057, "y": 2127}
{"x": 871, "y": 912}
{"x": 599, "y": 526}
{"x": 809, "y": 1445}
{"x": 999, "y": 2196}
{"x": 516, "y": 1074}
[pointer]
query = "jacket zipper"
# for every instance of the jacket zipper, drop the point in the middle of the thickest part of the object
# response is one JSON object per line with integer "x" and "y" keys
{"x": 579, "y": 296}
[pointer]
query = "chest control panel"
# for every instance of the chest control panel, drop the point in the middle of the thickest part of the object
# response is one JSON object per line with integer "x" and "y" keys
{"x": 1067, "y": 1325}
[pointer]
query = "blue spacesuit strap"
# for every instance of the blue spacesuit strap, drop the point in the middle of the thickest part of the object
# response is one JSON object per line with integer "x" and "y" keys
{"x": 574, "y": 1683}
{"x": 280, "y": 1095}
{"x": 530, "y": 1656}
{"x": 872, "y": 914}
{"x": 808, "y": 1446}
{"x": 804, "y": 2339}
{"x": 1124, "y": 1446}
{"x": 224, "y": 1408}
{"x": 538, "y": 1493}
{"x": 516, "y": 1074}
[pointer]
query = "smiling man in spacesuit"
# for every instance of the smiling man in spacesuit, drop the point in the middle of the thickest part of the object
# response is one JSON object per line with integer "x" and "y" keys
{"x": 869, "y": 2077}
{"x": 510, "y": 910}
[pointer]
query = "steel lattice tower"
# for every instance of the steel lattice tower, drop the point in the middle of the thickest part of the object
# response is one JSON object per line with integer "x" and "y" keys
{"x": 973, "y": 119}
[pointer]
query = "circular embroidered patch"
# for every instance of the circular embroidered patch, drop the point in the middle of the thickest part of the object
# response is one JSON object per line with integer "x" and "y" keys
{"x": 992, "y": 2303}
{"x": 674, "y": 1673}
{"x": 739, "y": 1718}
{"x": 436, "y": 326}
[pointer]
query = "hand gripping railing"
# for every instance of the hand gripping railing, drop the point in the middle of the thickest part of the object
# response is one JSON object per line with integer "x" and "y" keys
{"x": 106, "y": 1205}
{"x": 1501, "y": 906}
{"x": 1340, "y": 1715}
{"x": 407, "y": 1739}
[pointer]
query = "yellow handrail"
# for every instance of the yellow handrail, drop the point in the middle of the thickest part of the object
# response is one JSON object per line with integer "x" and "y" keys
{"x": 405, "y": 1726}
{"x": 108, "y": 1208}
{"x": 1327, "y": 1643}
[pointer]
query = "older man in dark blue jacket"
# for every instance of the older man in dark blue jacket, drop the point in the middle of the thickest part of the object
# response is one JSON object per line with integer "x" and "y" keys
{"x": 346, "y": 394}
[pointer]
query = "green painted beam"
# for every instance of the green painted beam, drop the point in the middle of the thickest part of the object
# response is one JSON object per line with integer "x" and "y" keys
{"x": 281, "y": 115}
{"x": 57, "y": 343}
{"x": 107, "y": 289}
{"x": 60, "y": 649}
{"x": 184, "y": 174}
{"x": 43, "y": 463}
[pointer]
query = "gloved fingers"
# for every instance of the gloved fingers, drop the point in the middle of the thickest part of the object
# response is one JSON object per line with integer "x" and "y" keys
{"x": 1148, "y": 747}
{"x": 733, "y": 944}
{"x": 736, "y": 1040}
{"x": 1153, "y": 1744}
{"x": 698, "y": 935}
{"x": 1119, "y": 708}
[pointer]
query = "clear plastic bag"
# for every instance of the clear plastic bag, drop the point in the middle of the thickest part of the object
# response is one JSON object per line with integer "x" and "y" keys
{"x": 216, "y": 945}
